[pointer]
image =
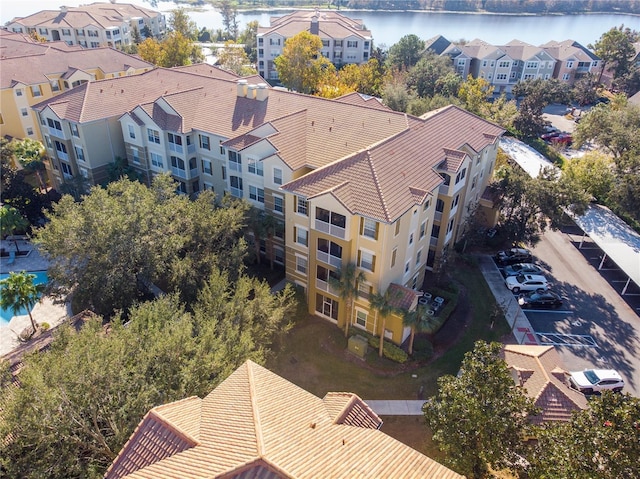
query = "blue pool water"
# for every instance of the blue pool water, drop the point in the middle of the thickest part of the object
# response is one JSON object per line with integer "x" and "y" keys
{"x": 7, "y": 314}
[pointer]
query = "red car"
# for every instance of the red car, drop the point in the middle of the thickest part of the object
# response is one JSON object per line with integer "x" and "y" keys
{"x": 563, "y": 138}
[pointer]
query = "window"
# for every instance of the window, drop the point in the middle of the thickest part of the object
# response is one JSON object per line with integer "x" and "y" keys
{"x": 277, "y": 176}
{"x": 204, "y": 142}
{"x": 92, "y": 33}
{"x": 193, "y": 166}
{"x": 450, "y": 226}
{"x": 132, "y": 132}
{"x": 256, "y": 167}
{"x": 532, "y": 65}
{"x": 423, "y": 229}
{"x": 474, "y": 182}
{"x": 397, "y": 231}
{"x": 456, "y": 200}
{"x": 235, "y": 161}
{"x": 369, "y": 228}
{"x": 326, "y": 216}
{"x": 206, "y": 167}
{"x": 47, "y": 140}
{"x": 66, "y": 169}
{"x": 503, "y": 64}
{"x": 236, "y": 186}
{"x": 366, "y": 260}
{"x": 29, "y": 130}
{"x": 407, "y": 266}
{"x": 364, "y": 290}
{"x": 460, "y": 176}
{"x": 54, "y": 124}
{"x": 301, "y": 236}
{"x": 55, "y": 86}
{"x": 301, "y": 264}
{"x": 361, "y": 318}
{"x": 182, "y": 187}
{"x": 135, "y": 153}
{"x": 461, "y": 61}
{"x": 394, "y": 255}
{"x": 156, "y": 160}
{"x": 501, "y": 76}
{"x": 278, "y": 204}
{"x": 61, "y": 148}
{"x": 74, "y": 130}
{"x": 24, "y": 111}
{"x": 435, "y": 231}
{"x": 43, "y": 31}
{"x": 326, "y": 306}
{"x": 66, "y": 32}
{"x": 95, "y": 44}
{"x": 256, "y": 194}
{"x": 177, "y": 165}
{"x": 566, "y": 77}
{"x": 439, "y": 205}
{"x": 426, "y": 205}
{"x": 329, "y": 252}
{"x": 224, "y": 172}
{"x": 175, "y": 142}
{"x": 302, "y": 206}
{"x": 36, "y": 90}
{"x": 569, "y": 64}
{"x": 79, "y": 153}
{"x": 153, "y": 135}
{"x": 352, "y": 44}
{"x": 484, "y": 63}
{"x": 418, "y": 255}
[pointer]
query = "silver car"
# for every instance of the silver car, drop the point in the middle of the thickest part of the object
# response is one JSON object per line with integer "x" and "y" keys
{"x": 522, "y": 268}
{"x": 595, "y": 380}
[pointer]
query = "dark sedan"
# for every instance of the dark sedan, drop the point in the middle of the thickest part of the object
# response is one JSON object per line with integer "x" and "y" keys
{"x": 539, "y": 299}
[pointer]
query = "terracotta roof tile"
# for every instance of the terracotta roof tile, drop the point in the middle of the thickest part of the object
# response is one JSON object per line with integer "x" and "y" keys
{"x": 403, "y": 297}
{"x": 256, "y": 424}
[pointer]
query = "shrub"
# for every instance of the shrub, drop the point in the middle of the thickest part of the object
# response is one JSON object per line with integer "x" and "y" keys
{"x": 389, "y": 350}
{"x": 45, "y": 326}
{"x": 422, "y": 349}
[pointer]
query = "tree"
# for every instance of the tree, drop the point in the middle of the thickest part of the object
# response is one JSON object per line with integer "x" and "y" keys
{"x": 593, "y": 173}
{"x": 419, "y": 320}
{"x": 11, "y": 221}
{"x": 249, "y": 37}
{"x": 19, "y": 292}
{"x": 79, "y": 402}
{"x": 150, "y": 50}
{"x": 474, "y": 93}
{"x": 615, "y": 49}
{"x": 479, "y": 418}
{"x": 406, "y": 53}
{"x": 174, "y": 50}
{"x": 31, "y": 153}
{"x": 430, "y": 75}
{"x": 367, "y": 78}
{"x": 229, "y": 14}
{"x": 585, "y": 90}
{"x": 120, "y": 169}
{"x": 384, "y": 305}
{"x": 110, "y": 248}
{"x": 233, "y": 57}
{"x": 302, "y": 67}
{"x": 347, "y": 282}
{"x": 537, "y": 94}
{"x": 601, "y": 441}
{"x": 180, "y": 22}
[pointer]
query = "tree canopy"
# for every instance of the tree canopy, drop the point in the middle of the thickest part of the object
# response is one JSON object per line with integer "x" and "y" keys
{"x": 615, "y": 49}
{"x": 478, "y": 418}
{"x": 108, "y": 249}
{"x": 406, "y": 53}
{"x": 234, "y": 58}
{"x": 301, "y": 66}
{"x": 174, "y": 50}
{"x": 79, "y": 402}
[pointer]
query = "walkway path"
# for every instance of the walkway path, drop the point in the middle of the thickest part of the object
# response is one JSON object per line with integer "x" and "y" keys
{"x": 396, "y": 408}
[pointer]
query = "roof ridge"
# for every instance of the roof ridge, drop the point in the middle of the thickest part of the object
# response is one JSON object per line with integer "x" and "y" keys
{"x": 376, "y": 181}
{"x": 254, "y": 408}
{"x": 176, "y": 430}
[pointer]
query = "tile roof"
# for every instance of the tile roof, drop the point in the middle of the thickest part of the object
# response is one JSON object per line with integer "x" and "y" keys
{"x": 402, "y": 297}
{"x": 381, "y": 181}
{"x": 539, "y": 373}
{"x": 330, "y": 24}
{"x": 46, "y": 61}
{"x": 100, "y": 14}
{"x": 356, "y": 98}
{"x": 256, "y": 424}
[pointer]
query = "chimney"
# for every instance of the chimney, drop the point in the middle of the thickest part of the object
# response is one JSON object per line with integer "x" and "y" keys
{"x": 263, "y": 92}
{"x": 251, "y": 91}
{"x": 314, "y": 24}
{"x": 242, "y": 88}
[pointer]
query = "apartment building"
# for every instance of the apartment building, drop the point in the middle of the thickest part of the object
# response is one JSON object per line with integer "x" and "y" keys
{"x": 347, "y": 180}
{"x": 573, "y": 60}
{"x": 92, "y": 26}
{"x": 32, "y": 72}
{"x": 344, "y": 40}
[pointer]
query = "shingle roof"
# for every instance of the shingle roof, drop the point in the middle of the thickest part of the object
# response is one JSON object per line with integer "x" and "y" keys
{"x": 45, "y": 61}
{"x": 330, "y": 24}
{"x": 568, "y": 49}
{"x": 539, "y": 372}
{"x": 381, "y": 181}
{"x": 257, "y": 424}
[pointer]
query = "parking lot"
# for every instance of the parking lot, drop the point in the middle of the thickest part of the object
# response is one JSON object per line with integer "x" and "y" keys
{"x": 595, "y": 327}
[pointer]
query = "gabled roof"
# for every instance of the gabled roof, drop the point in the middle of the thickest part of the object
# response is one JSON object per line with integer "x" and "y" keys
{"x": 569, "y": 49}
{"x": 331, "y": 24}
{"x": 380, "y": 182}
{"x": 538, "y": 372}
{"x": 257, "y": 424}
{"x": 437, "y": 44}
{"x": 519, "y": 50}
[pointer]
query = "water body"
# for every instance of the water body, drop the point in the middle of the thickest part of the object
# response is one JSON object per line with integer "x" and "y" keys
{"x": 388, "y": 27}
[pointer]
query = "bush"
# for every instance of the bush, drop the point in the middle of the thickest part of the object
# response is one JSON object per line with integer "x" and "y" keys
{"x": 389, "y": 350}
{"x": 45, "y": 326}
{"x": 422, "y": 349}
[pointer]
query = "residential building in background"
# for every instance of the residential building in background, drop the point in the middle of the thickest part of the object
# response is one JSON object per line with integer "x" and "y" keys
{"x": 32, "y": 72}
{"x": 344, "y": 40}
{"x": 573, "y": 61}
{"x": 346, "y": 180}
{"x": 92, "y": 26}
{"x": 256, "y": 424}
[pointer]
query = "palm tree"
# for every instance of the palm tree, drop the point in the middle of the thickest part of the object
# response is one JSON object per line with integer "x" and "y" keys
{"x": 11, "y": 221}
{"x": 383, "y": 305}
{"x": 19, "y": 291}
{"x": 347, "y": 282}
{"x": 418, "y": 320}
{"x": 31, "y": 153}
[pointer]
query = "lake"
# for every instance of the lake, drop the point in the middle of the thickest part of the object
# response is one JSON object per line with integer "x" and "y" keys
{"x": 388, "y": 27}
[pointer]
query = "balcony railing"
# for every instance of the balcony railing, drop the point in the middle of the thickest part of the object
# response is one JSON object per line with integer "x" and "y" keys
{"x": 433, "y": 241}
{"x": 178, "y": 172}
{"x": 193, "y": 173}
{"x": 62, "y": 155}
{"x": 55, "y": 132}
{"x": 176, "y": 148}
{"x": 333, "y": 230}
{"x": 328, "y": 259}
{"x": 324, "y": 286}
{"x": 191, "y": 148}
{"x": 437, "y": 216}
{"x": 443, "y": 190}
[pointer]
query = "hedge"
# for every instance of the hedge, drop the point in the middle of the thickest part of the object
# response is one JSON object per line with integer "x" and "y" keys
{"x": 389, "y": 350}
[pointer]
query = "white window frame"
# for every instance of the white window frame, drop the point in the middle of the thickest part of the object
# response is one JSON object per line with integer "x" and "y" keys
{"x": 277, "y": 176}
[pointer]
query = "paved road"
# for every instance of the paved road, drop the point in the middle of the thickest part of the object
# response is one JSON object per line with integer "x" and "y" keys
{"x": 596, "y": 310}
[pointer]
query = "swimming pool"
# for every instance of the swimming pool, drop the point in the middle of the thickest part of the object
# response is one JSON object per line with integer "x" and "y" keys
{"x": 7, "y": 314}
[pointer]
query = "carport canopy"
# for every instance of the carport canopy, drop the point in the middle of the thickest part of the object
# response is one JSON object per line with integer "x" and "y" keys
{"x": 615, "y": 238}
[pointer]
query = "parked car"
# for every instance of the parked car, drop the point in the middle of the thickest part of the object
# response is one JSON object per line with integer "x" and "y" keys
{"x": 550, "y": 136}
{"x": 513, "y": 255}
{"x": 537, "y": 299}
{"x": 526, "y": 282}
{"x": 522, "y": 268}
{"x": 563, "y": 139}
{"x": 595, "y": 380}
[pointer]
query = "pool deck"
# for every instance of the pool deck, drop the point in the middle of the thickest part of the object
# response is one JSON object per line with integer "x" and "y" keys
{"x": 44, "y": 312}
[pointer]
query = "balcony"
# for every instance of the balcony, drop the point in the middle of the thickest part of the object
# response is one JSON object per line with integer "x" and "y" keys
{"x": 328, "y": 259}
{"x": 444, "y": 189}
{"x": 193, "y": 173}
{"x": 179, "y": 172}
{"x": 191, "y": 148}
{"x": 57, "y": 133}
{"x": 62, "y": 155}
{"x": 433, "y": 241}
{"x": 437, "y": 216}
{"x": 324, "y": 286}
{"x": 330, "y": 229}
{"x": 175, "y": 147}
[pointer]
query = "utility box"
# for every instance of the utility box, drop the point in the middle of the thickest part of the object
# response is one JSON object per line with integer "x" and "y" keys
{"x": 358, "y": 345}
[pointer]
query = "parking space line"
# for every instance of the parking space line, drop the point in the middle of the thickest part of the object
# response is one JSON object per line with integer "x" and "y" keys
{"x": 573, "y": 340}
{"x": 554, "y": 311}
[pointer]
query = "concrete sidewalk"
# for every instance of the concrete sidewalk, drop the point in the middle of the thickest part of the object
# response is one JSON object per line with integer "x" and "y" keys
{"x": 518, "y": 321}
{"x": 396, "y": 408}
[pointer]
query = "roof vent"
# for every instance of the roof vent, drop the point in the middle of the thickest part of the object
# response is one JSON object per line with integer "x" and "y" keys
{"x": 251, "y": 91}
{"x": 122, "y": 91}
{"x": 242, "y": 88}
{"x": 263, "y": 92}
{"x": 312, "y": 425}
